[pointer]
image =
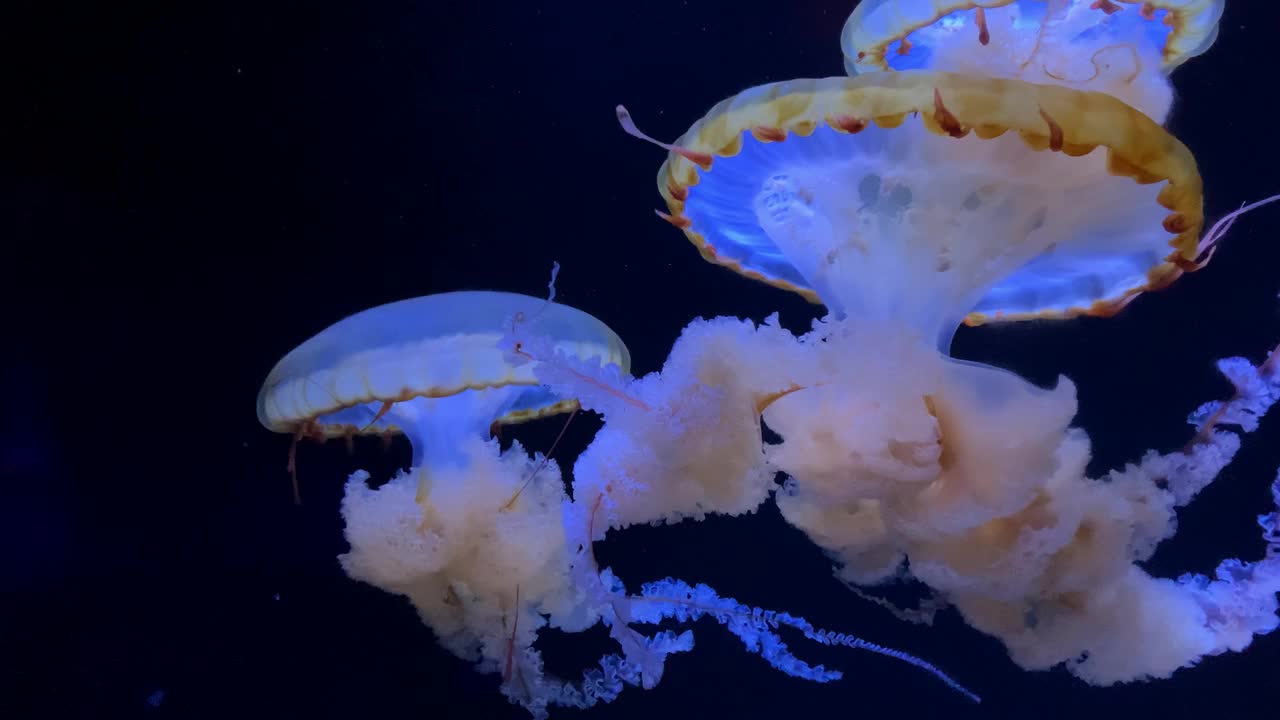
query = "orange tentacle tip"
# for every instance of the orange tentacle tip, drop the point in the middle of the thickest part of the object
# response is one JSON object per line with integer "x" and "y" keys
{"x": 768, "y": 134}
{"x": 1190, "y": 266}
{"x": 945, "y": 118}
{"x": 701, "y": 159}
{"x": 382, "y": 412}
{"x": 847, "y": 123}
{"x": 677, "y": 191}
{"x": 1056, "y": 137}
{"x": 1176, "y": 223}
{"x": 679, "y": 221}
{"x": 1106, "y": 6}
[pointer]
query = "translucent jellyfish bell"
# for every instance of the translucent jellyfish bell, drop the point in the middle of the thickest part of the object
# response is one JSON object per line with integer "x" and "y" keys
{"x": 429, "y": 367}
{"x": 1125, "y": 48}
{"x": 922, "y": 198}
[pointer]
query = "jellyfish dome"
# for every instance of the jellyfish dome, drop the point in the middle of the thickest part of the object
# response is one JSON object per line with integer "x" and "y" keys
{"x": 1125, "y": 48}
{"x": 428, "y": 367}
{"x": 928, "y": 198}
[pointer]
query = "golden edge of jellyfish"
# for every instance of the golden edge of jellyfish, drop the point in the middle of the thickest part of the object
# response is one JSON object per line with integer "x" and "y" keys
{"x": 1052, "y": 118}
{"x": 311, "y": 428}
{"x": 1190, "y": 24}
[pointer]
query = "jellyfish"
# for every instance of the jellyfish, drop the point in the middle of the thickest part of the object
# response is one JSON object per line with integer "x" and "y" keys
{"x": 1125, "y": 48}
{"x": 907, "y": 203}
{"x": 471, "y": 534}
{"x": 486, "y": 543}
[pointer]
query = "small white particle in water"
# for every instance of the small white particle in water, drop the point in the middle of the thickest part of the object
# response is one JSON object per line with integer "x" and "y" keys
{"x": 276, "y": 596}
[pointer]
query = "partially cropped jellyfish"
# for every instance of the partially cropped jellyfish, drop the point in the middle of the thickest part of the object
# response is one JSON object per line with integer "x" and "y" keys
{"x": 906, "y": 203}
{"x": 1125, "y": 48}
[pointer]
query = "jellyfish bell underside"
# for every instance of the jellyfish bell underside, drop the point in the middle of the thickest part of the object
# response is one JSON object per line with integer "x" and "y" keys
{"x": 428, "y": 367}
{"x": 1125, "y": 48}
{"x": 918, "y": 200}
